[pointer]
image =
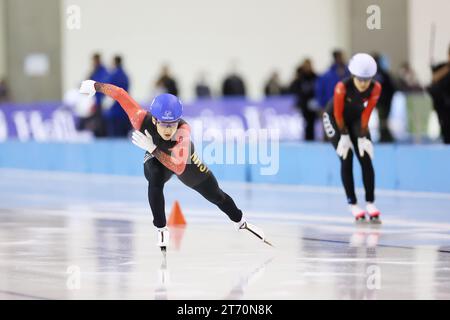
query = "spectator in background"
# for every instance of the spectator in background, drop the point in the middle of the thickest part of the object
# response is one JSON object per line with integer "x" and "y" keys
{"x": 303, "y": 87}
{"x": 117, "y": 123}
{"x": 273, "y": 86}
{"x": 202, "y": 89}
{"x": 440, "y": 93}
{"x": 94, "y": 121}
{"x": 407, "y": 79}
{"x": 4, "y": 92}
{"x": 325, "y": 83}
{"x": 385, "y": 100}
{"x": 99, "y": 73}
{"x": 233, "y": 84}
{"x": 165, "y": 82}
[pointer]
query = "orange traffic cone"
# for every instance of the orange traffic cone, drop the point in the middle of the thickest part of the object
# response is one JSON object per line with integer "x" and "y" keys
{"x": 176, "y": 217}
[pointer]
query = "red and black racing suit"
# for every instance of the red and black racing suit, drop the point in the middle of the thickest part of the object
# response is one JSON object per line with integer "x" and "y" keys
{"x": 349, "y": 113}
{"x": 176, "y": 156}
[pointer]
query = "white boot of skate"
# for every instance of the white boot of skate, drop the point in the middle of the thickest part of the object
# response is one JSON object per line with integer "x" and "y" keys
{"x": 373, "y": 212}
{"x": 358, "y": 213}
{"x": 163, "y": 239}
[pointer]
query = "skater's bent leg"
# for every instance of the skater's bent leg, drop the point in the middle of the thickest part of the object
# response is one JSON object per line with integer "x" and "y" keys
{"x": 156, "y": 175}
{"x": 368, "y": 174}
{"x": 157, "y": 204}
{"x": 347, "y": 178}
{"x": 368, "y": 177}
{"x": 332, "y": 132}
{"x": 211, "y": 191}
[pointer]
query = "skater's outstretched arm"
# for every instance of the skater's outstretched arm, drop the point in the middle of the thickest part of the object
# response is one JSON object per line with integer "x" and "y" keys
{"x": 135, "y": 112}
{"x": 373, "y": 99}
{"x": 177, "y": 160}
{"x": 338, "y": 102}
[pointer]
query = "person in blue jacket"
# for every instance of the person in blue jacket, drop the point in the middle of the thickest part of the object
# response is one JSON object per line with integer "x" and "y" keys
{"x": 117, "y": 123}
{"x": 326, "y": 83}
{"x": 100, "y": 74}
{"x": 94, "y": 121}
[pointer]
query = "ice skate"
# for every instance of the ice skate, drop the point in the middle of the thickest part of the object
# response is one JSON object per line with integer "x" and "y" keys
{"x": 374, "y": 213}
{"x": 244, "y": 225}
{"x": 163, "y": 239}
{"x": 358, "y": 213}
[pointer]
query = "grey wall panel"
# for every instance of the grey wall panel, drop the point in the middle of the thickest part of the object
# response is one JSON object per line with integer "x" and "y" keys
{"x": 391, "y": 39}
{"x": 33, "y": 27}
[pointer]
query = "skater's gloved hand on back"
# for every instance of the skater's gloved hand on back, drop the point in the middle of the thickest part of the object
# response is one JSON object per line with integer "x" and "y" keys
{"x": 344, "y": 146}
{"x": 87, "y": 87}
{"x": 143, "y": 141}
{"x": 365, "y": 145}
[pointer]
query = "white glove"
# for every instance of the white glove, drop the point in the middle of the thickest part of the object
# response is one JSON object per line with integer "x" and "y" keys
{"x": 87, "y": 87}
{"x": 143, "y": 141}
{"x": 344, "y": 146}
{"x": 366, "y": 145}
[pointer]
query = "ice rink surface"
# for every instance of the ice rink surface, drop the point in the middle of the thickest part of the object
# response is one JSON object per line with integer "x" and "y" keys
{"x": 75, "y": 236}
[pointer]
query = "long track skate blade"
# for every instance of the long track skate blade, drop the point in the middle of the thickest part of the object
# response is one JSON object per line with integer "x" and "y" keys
{"x": 258, "y": 236}
{"x": 268, "y": 243}
{"x": 163, "y": 263}
{"x": 361, "y": 222}
{"x": 375, "y": 222}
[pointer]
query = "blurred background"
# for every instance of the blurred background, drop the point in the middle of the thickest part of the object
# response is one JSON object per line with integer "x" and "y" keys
{"x": 240, "y": 65}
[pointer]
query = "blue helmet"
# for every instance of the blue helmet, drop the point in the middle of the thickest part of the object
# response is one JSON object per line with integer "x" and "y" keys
{"x": 166, "y": 108}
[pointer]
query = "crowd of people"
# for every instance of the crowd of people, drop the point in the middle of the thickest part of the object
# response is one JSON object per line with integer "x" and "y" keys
{"x": 311, "y": 90}
{"x": 110, "y": 122}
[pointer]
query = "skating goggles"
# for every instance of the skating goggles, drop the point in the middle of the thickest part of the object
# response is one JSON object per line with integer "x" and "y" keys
{"x": 363, "y": 79}
{"x": 172, "y": 124}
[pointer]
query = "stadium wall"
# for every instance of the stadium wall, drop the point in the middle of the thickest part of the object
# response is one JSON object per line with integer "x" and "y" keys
{"x": 422, "y": 15}
{"x": 398, "y": 167}
{"x": 202, "y": 35}
{"x": 2, "y": 41}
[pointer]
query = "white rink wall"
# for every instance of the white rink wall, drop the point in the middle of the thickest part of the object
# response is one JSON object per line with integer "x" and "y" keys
{"x": 204, "y": 35}
{"x": 421, "y": 15}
